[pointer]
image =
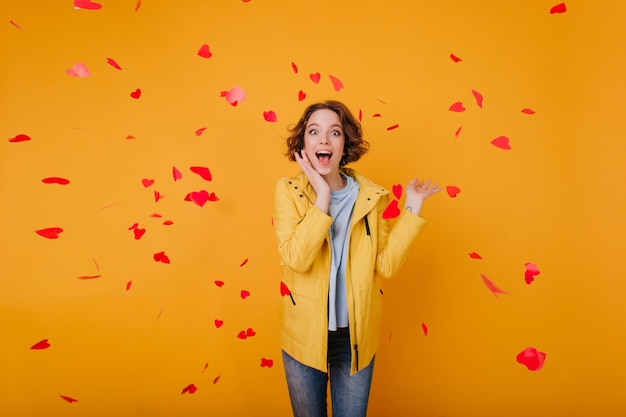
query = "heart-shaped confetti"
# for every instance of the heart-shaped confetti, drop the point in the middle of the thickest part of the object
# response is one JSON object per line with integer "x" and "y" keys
{"x": 337, "y": 84}
{"x": 392, "y": 210}
{"x": 55, "y": 180}
{"x": 528, "y": 111}
{"x": 191, "y": 388}
{"x": 68, "y": 399}
{"x": 531, "y": 271}
{"x": 531, "y": 358}
{"x": 136, "y": 94}
{"x": 453, "y": 190}
{"x": 50, "y": 232}
{"x": 19, "y": 138}
{"x": 200, "y": 131}
{"x": 113, "y": 63}
{"x": 455, "y": 58}
{"x": 501, "y": 142}
{"x": 79, "y": 70}
{"x": 396, "y": 189}
{"x": 301, "y": 95}
{"x": 474, "y": 255}
{"x": 558, "y": 8}
{"x": 161, "y": 257}
{"x": 42, "y": 344}
{"x": 218, "y": 323}
{"x": 478, "y": 97}
{"x": 294, "y": 67}
{"x": 492, "y": 287}
{"x": 425, "y": 329}
{"x": 266, "y": 363}
{"x": 457, "y": 107}
{"x": 315, "y": 77}
{"x": 204, "y": 172}
{"x": 234, "y": 96}
{"x": 200, "y": 197}
{"x": 87, "y": 5}
{"x": 176, "y": 174}
{"x": 147, "y": 182}
{"x": 245, "y": 294}
{"x": 139, "y": 233}
{"x": 270, "y": 116}
{"x": 204, "y": 51}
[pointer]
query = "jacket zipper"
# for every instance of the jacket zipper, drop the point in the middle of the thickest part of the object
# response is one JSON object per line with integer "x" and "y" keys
{"x": 367, "y": 225}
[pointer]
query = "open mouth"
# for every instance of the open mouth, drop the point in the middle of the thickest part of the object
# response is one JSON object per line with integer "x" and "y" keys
{"x": 323, "y": 157}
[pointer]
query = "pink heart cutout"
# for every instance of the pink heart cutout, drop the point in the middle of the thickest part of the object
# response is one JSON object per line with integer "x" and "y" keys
{"x": 200, "y": 197}
{"x": 315, "y": 77}
{"x": 457, "y": 107}
{"x": 501, "y": 142}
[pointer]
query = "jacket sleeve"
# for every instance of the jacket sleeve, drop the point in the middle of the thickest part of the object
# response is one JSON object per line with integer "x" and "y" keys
{"x": 299, "y": 235}
{"x": 394, "y": 243}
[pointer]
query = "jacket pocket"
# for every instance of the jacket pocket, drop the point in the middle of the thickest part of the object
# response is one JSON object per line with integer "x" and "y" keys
{"x": 301, "y": 319}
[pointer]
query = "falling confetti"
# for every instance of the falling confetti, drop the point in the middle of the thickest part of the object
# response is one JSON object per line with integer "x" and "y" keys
{"x": 425, "y": 329}
{"x": 531, "y": 358}
{"x": 55, "y": 180}
{"x": 68, "y": 399}
{"x": 128, "y": 285}
{"x": 203, "y": 172}
{"x": 284, "y": 290}
{"x": 161, "y": 257}
{"x": 191, "y": 388}
{"x": 147, "y": 182}
{"x": 392, "y": 210}
{"x": 16, "y": 25}
{"x": 50, "y": 232}
{"x": 270, "y": 116}
{"x": 501, "y": 142}
{"x": 474, "y": 255}
{"x": 457, "y": 107}
{"x": 266, "y": 363}
{"x": 42, "y": 344}
{"x": 176, "y": 174}
{"x": 219, "y": 283}
{"x": 244, "y": 294}
{"x": 452, "y": 190}
{"x": 492, "y": 287}
{"x": 396, "y": 189}
{"x": 200, "y": 131}
{"x": 393, "y": 127}
{"x": 294, "y": 67}
{"x": 455, "y": 58}
{"x": 136, "y": 94}
{"x": 199, "y": 197}
{"x": 204, "y": 51}
{"x": 19, "y": 138}
{"x": 79, "y": 70}
{"x": 88, "y": 277}
{"x": 301, "y": 95}
{"x": 245, "y": 261}
{"x": 478, "y": 97}
{"x": 458, "y": 132}
{"x": 87, "y": 5}
{"x": 528, "y": 111}
{"x": 559, "y": 8}
{"x": 218, "y": 323}
{"x": 531, "y": 271}
{"x": 337, "y": 84}
{"x": 234, "y": 96}
{"x": 315, "y": 77}
{"x": 113, "y": 63}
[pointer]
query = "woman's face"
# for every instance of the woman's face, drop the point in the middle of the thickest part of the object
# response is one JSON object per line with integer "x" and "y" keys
{"x": 324, "y": 141}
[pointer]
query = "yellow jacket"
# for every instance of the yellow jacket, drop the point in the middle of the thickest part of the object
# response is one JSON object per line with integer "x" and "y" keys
{"x": 375, "y": 250}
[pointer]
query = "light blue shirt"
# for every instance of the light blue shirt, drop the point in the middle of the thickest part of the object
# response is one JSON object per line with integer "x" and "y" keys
{"x": 340, "y": 209}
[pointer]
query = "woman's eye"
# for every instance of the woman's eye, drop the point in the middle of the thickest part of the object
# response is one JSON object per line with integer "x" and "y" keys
{"x": 312, "y": 132}
{"x": 336, "y": 133}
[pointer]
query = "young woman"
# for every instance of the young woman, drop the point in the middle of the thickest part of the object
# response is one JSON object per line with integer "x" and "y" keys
{"x": 334, "y": 247}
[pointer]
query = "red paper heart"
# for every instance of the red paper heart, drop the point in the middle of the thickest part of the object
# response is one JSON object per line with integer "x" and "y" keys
{"x": 559, "y": 8}
{"x": 88, "y": 277}
{"x": 284, "y": 290}
{"x": 250, "y": 332}
{"x": 157, "y": 196}
{"x": 501, "y": 142}
{"x": 531, "y": 358}
{"x": 219, "y": 283}
{"x": 218, "y": 323}
{"x": 161, "y": 257}
{"x": 213, "y": 197}
{"x": 453, "y": 190}
{"x": 474, "y": 255}
{"x": 397, "y": 190}
{"x": 301, "y": 95}
{"x": 393, "y": 127}
{"x": 392, "y": 211}
{"x": 79, "y": 70}
{"x": 269, "y": 116}
{"x": 42, "y": 344}
{"x": 200, "y": 131}
{"x": 266, "y": 363}
{"x": 294, "y": 67}
{"x": 531, "y": 272}
{"x": 425, "y": 329}
{"x": 147, "y": 182}
{"x": 129, "y": 284}
{"x": 458, "y": 131}
{"x": 337, "y": 84}
{"x": 50, "y": 232}
{"x": 86, "y": 4}
{"x": 114, "y": 64}
{"x": 200, "y": 197}
{"x": 315, "y": 77}
{"x": 245, "y": 261}
{"x": 245, "y": 294}
{"x": 68, "y": 399}
{"x": 136, "y": 94}
{"x": 457, "y": 107}
{"x": 138, "y": 233}
{"x": 492, "y": 287}
{"x": 204, "y": 51}
{"x": 55, "y": 180}
{"x": 455, "y": 58}
{"x": 176, "y": 174}
{"x": 478, "y": 97}
{"x": 204, "y": 172}
{"x": 242, "y": 335}
{"x": 528, "y": 111}
{"x": 191, "y": 388}
{"x": 19, "y": 138}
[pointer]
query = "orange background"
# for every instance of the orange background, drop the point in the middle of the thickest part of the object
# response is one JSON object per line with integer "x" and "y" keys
{"x": 554, "y": 199}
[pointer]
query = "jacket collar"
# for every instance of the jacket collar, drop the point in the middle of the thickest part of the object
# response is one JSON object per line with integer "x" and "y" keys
{"x": 369, "y": 191}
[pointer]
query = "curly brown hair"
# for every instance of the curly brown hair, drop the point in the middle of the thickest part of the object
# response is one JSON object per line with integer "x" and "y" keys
{"x": 354, "y": 147}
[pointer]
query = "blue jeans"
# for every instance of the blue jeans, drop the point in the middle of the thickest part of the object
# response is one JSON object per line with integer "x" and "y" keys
{"x": 308, "y": 386}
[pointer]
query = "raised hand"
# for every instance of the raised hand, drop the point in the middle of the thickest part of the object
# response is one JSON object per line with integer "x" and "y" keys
{"x": 417, "y": 191}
